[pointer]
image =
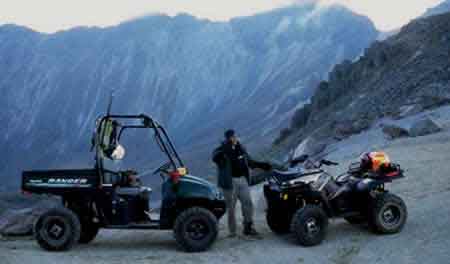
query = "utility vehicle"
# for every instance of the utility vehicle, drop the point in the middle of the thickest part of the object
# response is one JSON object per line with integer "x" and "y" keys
{"x": 101, "y": 198}
{"x": 301, "y": 198}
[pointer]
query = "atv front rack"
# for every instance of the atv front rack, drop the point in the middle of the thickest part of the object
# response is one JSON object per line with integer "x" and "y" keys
{"x": 393, "y": 172}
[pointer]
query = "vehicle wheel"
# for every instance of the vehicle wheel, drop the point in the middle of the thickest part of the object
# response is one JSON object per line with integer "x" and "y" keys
{"x": 57, "y": 230}
{"x": 278, "y": 224}
{"x": 195, "y": 229}
{"x": 89, "y": 231}
{"x": 309, "y": 225}
{"x": 388, "y": 214}
{"x": 356, "y": 220}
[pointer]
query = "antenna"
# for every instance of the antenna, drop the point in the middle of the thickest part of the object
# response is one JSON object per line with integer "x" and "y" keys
{"x": 111, "y": 98}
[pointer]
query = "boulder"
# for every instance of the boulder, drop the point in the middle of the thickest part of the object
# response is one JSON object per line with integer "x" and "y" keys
{"x": 394, "y": 131}
{"x": 346, "y": 128}
{"x": 19, "y": 222}
{"x": 424, "y": 127}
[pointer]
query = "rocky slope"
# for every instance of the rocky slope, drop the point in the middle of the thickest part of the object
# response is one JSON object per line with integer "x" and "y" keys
{"x": 406, "y": 74}
{"x": 443, "y": 7}
{"x": 197, "y": 77}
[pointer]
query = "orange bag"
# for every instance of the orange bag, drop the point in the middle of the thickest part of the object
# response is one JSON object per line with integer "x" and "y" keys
{"x": 378, "y": 160}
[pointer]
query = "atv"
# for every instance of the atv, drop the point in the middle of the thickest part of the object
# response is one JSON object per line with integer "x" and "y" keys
{"x": 301, "y": 197}
{"x": 97, "y": 198}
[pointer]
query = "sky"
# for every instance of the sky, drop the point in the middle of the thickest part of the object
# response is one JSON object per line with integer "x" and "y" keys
{"x": 53, "y": 15}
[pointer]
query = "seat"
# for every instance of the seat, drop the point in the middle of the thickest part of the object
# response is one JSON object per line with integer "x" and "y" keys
{"x": 286, "y": 175}
{"x": 338, "y": 188}
{"x": 137, "y": 200}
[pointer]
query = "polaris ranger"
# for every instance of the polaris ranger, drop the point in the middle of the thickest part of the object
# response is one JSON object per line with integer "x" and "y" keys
{"x": 301, "y": 199}
{"x": 101, "y": 198}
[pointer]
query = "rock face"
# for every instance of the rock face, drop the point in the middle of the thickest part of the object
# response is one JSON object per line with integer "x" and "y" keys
{"x": 407, "y": 73}
{"x": 309, "y": 146}
{"x": 345, "y": 128}
{"x": 424, "y": 127}
{"x": 196, "y": 77}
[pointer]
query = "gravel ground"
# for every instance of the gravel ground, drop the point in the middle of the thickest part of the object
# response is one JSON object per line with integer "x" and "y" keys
{"x": 425, "y": 238}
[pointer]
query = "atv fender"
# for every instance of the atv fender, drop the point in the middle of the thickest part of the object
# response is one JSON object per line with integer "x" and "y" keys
{"x": 315, "y": 197}
{"x": 190, "y": 187}
{"x": 368, "y": 185}
{"x": 188, "y": 192}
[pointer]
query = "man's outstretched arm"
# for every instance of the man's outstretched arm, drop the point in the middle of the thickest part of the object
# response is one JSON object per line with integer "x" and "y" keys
{"x": 255, "y": 164}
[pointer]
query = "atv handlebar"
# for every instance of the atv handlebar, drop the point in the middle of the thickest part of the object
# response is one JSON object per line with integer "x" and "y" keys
{"x": 329, "y": 163}
{"x": 304, "y": 159}
{"x": 307, "y": 161}
{"x": 298, "y": 160}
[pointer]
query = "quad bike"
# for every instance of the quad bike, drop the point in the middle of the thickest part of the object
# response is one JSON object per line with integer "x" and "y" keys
{"x": 301, "y": 199}
{"x": 101, "y": 198}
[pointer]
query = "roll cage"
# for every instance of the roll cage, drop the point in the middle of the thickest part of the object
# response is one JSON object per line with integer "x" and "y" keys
{"x": 118, "y": 124}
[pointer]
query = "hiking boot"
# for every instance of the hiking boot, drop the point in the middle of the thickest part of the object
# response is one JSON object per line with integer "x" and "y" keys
{"x": 232, "y": 235}
{"x": 250, "y": 231}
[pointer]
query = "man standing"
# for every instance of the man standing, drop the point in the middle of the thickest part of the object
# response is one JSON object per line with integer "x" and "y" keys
{"x": 234, "y": 163}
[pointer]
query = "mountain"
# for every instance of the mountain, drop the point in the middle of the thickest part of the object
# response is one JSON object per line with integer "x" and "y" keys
{"x": 443, "y": 7}
{"x": 402, "y": 76}
{"x": 196, "y": 77}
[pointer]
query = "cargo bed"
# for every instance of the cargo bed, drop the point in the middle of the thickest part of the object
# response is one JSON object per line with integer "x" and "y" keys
{"x": 60, "y": 181}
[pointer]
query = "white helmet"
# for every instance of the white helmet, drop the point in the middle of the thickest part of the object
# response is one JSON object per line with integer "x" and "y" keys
{"x": 118, "y": 153}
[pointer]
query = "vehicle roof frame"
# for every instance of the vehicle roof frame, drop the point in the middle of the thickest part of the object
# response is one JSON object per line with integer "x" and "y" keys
{"x": 162, "y": 137}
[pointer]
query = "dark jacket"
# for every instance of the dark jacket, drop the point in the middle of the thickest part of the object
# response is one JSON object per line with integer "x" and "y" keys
{"x": 221, "y": 156}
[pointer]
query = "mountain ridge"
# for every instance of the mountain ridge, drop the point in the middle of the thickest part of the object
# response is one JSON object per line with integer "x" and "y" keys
{"x": 441, "y": 8}
{"x": 403, "y": 75}
{"x": 196, "y": 77}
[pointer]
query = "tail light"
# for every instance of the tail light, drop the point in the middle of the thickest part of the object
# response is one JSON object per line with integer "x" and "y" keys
{"x": 393, "y": 174}
{"x": 177, "y": 174}
{"x": 27, "y": 193}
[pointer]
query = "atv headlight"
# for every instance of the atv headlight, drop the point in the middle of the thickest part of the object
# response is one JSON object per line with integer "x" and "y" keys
{"x": 219, "y": 195}
{"x": 320, "y": 182}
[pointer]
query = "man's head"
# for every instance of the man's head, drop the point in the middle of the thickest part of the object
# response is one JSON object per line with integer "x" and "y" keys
{"x": 230, "y": 136}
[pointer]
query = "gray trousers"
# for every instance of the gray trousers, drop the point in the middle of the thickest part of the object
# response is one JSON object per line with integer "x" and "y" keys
{"x": 241, "y": 192}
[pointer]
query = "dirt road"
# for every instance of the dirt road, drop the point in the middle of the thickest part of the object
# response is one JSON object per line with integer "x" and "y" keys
{"x": 425, "y": 238}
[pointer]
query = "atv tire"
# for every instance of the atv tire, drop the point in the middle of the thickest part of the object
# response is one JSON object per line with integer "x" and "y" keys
{"x": 195, "y": 229}
{"x": 88, "y": 233}
{"x": 57, "y": 230}
{"x": 279, "y": 224}
{"x": 309, "y": 225}
{"x": 388, "y": 214}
